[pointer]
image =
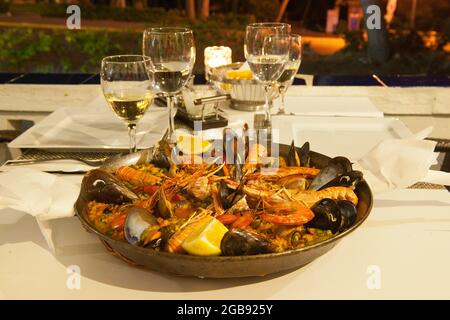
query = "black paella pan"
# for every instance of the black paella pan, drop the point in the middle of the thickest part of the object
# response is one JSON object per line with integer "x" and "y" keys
{"x": 223, "y": 266}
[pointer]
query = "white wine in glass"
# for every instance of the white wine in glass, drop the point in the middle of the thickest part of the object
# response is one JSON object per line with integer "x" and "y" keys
{"x": 129, "y": 108}
{"x": 127, "y": 88}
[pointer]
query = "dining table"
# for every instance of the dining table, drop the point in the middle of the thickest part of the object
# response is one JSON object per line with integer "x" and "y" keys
{"x": 402, "y": 250}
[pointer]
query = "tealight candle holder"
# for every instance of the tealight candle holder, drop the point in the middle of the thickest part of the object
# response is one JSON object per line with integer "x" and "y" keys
{"x": 215, "y": 57}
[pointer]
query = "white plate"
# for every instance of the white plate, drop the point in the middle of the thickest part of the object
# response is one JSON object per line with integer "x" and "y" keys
{"x": 91, "y": 128}
{"x": 339, "y": 136}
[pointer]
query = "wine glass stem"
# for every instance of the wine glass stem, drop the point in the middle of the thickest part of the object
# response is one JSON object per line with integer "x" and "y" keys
{"x": 268, "y": 102}
{"x": 282, "y": 110}
{"x": 132, "y": 135}
{"x": 170, "y": 136}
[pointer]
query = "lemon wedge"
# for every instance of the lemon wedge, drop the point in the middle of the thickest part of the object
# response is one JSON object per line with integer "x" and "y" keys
{"x": 189, "y": 144}
{"x": 205, "y": 240}
{"x": 239, "y": 74}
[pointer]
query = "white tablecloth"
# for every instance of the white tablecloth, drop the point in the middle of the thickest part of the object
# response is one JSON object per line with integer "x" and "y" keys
{"x": 405, "y": 241}
{"x": 401, "y": 251}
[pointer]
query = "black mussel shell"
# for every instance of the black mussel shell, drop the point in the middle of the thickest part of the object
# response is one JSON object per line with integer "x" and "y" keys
{"x": 246, "y": 140}
{"x": 348, "y": 179}
{"x": 224, "y": 194}
{"x": 102, "y": 186}
{"x": 162, "y": 153}
{"x": 342, "y": 162}
{"x": 326, "y": 174}
{"x": 293, "y": 158}
{"x": 348, "y": 213}
{"x": 160, "y": 160}
{"x": 236, "y": 173}
{"x": 327, "y": 216}
{"x": 305, "y": 156}
{"x": 239, "y": 242}
{"x": 336, "y": 167}
{"x": 229, "y": 137}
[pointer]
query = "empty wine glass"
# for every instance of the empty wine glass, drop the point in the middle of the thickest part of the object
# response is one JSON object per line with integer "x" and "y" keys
{"x": 266, "y": 50}
{"x": 172, "y": 53}
{"x": 127, "y": 85}
{"x": 290, "y": 70}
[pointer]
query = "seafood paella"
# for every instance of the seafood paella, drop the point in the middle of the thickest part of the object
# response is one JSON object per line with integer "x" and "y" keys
{"x": 229, "y": 204}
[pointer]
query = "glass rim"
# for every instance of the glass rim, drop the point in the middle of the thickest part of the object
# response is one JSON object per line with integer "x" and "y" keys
{"x": 168, "y": 30}
{"x": 268, "y": 25}
{"x": 137, "y": 59}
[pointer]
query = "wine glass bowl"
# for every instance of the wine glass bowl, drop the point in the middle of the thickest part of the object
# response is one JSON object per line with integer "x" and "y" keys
{"x": 290, "y": 70}
{"x": 267, "y": 49}
{"x": 172, "y": 54}
{"x": 127, "y": 87}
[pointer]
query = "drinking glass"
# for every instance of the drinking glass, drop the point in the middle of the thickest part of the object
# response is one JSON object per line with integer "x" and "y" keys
{"x": 290, "y": 70}
{"x": 172, "y": 53}
{"x": 127, "y": 87}
{"x": 266, "y": 49}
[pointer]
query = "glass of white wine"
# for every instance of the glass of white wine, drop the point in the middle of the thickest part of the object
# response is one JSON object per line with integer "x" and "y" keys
{"x": 127, "y": 87}
{"x": 172, "y": 53}
{"x": 266, "y": 49}
{"x": 290, "y": 69}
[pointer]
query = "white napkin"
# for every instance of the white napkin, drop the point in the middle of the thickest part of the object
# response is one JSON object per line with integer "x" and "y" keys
{"x": 42, "y": 195}
{"x": 398, "y": 163}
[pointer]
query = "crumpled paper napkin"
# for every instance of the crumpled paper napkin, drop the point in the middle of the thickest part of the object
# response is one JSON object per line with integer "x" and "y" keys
{"x": 42, "y": 195}
{"x": 399, "y": 163}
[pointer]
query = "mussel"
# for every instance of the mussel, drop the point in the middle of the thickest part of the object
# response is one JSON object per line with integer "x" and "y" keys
{"x": 237, "y": 242}
{"x": 327, "y": 216}
{"x": 225, "y": 195}
{"x": 333, "y": 215}
{"x": 298, "y": 157}
{"x": 162, "y": 154}
{"x": 305, "y": 155}
{"x": 236, "y": 173}
{"x": 348, "y": 213}
{"x": 348, "y": 179}
{"x": 246, "y": 133}
{"x": 165, "y": 207}
{"x": 293, "y": 158}
{"x": 229, "y": 144}
{"x": 336, "y": 167}
{"x": 137, "y": 222}
{"x": 342, "y": 162}
{"x": 102, "y": 186}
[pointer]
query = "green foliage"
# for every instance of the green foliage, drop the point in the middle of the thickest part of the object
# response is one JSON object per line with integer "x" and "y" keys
{"x": 31, "y": 50}
{"x": 45, "y": 50}
{"x": 34, "y": 50}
